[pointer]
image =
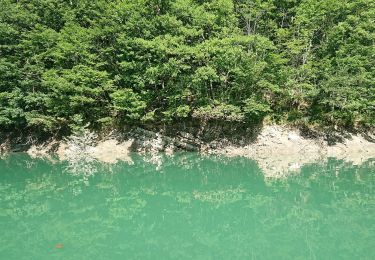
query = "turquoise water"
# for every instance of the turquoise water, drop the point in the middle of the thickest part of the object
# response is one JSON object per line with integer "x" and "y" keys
{"x": 187, "y": 207}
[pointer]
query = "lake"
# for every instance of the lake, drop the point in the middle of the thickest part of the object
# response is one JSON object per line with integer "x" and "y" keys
{"x": 185, "y": 206}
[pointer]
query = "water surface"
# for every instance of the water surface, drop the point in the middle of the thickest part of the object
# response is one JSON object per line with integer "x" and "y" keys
{"x": 185, "y": 207}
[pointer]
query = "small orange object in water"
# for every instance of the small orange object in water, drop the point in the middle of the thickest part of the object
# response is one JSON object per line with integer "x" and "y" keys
{"x": 59, "y": 246}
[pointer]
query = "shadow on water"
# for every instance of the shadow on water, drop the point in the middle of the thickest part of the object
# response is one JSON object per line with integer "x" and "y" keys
{"x": 185, "y": 206}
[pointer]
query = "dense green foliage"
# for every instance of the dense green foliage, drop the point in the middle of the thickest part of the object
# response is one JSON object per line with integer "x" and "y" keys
{"x": 105, "y": 63}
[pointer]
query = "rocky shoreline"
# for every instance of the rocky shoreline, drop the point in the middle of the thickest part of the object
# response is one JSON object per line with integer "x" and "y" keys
{"x": 278, "y": 149}
{"x": 282, "y": 150}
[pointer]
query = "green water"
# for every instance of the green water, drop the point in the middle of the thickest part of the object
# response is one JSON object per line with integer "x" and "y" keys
{"x": 187, "y": 207}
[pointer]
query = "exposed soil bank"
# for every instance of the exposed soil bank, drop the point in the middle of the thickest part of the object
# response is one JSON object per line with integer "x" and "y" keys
{"x": 279, "y": 150}
{"x": 282, "y": 150}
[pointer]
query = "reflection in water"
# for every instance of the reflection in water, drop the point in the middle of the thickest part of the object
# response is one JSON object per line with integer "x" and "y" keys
{"x": 186, "y": 206}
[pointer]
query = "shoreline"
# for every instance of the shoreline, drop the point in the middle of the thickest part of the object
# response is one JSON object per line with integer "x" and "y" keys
{"x": 278, "y": 149}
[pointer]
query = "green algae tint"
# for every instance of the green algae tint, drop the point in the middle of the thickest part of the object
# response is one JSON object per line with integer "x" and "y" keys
{"x": 185, "y": 207}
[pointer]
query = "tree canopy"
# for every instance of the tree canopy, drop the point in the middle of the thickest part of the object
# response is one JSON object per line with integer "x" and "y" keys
{"x": 118, "y": 62}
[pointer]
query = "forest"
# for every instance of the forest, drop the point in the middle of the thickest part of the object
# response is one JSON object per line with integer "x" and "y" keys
{"x": 111, "y": 63}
